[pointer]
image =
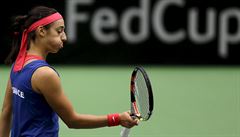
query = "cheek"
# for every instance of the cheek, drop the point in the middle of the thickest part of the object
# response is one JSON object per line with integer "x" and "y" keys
{"x": 54, "y": 45}
{"x": 54, "y": 42}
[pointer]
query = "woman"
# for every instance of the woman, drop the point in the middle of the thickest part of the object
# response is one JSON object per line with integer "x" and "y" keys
{"x": 34, "y": 95}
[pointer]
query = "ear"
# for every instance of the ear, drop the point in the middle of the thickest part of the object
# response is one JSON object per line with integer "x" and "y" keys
{"x": 41, "y": 31}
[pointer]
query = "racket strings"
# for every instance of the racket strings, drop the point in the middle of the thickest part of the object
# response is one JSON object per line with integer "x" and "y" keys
{"x": 142, "y": 96}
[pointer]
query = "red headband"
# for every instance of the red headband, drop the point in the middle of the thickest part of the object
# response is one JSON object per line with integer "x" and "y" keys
{"x": 23, "y": 49}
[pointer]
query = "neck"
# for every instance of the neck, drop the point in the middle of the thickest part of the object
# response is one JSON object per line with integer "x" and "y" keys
{"x": 37, "y": 54}
{"x": 34, "y": 50}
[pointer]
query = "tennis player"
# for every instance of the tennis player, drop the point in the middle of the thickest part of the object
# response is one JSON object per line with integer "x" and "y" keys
{"x": 34, "y": 97}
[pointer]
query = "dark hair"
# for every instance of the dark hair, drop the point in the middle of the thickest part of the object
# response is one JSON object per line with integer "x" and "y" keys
{"x": 22, "y": 22}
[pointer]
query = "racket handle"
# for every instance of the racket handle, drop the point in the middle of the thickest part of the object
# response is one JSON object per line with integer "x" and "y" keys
{"x": 125, "y": 132}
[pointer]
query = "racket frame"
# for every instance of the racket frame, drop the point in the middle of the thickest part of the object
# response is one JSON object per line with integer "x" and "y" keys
{"x": 134, "y": 109}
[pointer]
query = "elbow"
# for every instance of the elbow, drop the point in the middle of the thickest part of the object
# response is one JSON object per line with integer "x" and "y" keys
{"x": 71, "y": 122}
{"x": 6, "y": 110}
{"x": 70, "y": 125}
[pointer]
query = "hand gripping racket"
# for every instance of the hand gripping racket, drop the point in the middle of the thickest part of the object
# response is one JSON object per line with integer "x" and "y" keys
{"x": 141, "y": 97}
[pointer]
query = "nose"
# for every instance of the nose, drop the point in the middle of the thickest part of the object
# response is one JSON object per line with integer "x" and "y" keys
{"x": 64, "y": 37}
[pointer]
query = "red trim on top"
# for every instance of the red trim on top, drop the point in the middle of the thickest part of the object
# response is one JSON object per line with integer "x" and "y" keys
{"x": 30, "y": 57}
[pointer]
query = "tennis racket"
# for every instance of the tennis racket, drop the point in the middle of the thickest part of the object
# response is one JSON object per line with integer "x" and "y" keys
{"x": 141, "y": 97}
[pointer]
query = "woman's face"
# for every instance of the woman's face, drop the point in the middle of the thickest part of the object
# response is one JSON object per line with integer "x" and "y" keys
{"x": 55, "y": 36}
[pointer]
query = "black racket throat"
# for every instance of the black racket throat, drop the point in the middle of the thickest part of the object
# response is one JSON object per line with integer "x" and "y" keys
{"x": 133, "y": 97}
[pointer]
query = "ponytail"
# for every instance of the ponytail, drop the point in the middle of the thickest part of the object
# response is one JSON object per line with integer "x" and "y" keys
{"x": 16, "y": 30}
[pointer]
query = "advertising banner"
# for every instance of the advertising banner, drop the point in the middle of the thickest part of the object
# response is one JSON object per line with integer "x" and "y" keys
{"x": 184, "y": 32}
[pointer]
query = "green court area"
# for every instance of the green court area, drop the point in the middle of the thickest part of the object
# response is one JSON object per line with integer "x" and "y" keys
{"x": 189, "y": 101}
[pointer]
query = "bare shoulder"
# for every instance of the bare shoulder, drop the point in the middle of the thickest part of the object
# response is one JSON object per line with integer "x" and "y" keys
{"x": 45, "y": 72}
{"x": 45, "y": 77}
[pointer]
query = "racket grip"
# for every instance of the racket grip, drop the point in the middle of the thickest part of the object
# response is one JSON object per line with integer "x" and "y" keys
{"x": 125, "y": 132}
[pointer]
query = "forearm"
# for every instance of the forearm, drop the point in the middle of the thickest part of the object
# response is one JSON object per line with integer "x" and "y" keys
{"x": 87, "y": 121}
{"x": 92, "y": 121}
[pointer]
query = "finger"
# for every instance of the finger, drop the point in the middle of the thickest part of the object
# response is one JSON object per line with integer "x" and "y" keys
{"x": 127, "y": 125}
{"x": 137, "y": 121}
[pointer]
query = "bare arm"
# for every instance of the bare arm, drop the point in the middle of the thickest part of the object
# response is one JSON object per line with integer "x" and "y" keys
{"x": 6, "y": 114}
{"x": 47, "y": 82}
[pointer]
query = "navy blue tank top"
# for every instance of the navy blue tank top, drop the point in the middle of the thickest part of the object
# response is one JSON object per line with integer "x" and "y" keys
{"x": 32, "y": 116}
